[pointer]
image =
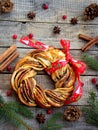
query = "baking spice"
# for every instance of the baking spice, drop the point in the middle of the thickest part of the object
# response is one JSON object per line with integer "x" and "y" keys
{"x": 74, "y": 20}
{"x": 45, "y": 6}
{"x": 72, "y": 113}
{"x": 8, "y": 56}
{"x": 31, "y": 15}
{"x": 56, "y": 30}
{"x": 6, "y": 6}
{"x": 40, "y": 118}
{"x": 90, "y": 43}
{"x": 90, "y": 12}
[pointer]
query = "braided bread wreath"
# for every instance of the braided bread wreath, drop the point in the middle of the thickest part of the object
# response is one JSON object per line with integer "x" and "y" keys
{"x": 58, "y": 64}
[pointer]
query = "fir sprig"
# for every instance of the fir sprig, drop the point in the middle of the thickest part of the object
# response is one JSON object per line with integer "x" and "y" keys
{"x": 11, "y": 112}
{"x": 91, "y": 112}
{"x": 91, "y": 61}
{"x": 19, "y": 108}
{"x": 51, "y": 123}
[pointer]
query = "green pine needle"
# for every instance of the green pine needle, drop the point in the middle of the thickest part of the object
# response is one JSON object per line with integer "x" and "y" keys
{"x": 19, "y": 108}
{"x": 1, "y": 114}
{"x": 91, "y": 112}
{"x": 11, "y": 112}
{"x": 11, "y": 116}
{"x": 53, "y": 119}
{"x": 24, "y": 111}
{"x": 51, "y": 123}
{"x": 56, "y": 127}
{"x": 91, "y": 62}
{"x": 1, "y": 99}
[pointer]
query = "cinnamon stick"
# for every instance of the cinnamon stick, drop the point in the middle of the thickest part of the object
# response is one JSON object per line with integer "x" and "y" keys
{"x": 85, "y": 37}
{"x": 90, "y": 44}
{"x": 7, "y": 53}
{"x": 8, "y": 61}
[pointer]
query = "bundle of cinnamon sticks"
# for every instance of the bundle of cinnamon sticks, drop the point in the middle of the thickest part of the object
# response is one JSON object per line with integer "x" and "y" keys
{"x": 91, "y": 42}
{"x": 8, "y": 56}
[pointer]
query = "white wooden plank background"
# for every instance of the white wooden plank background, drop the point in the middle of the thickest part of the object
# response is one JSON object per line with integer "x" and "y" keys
{"x": 41, "y": 26}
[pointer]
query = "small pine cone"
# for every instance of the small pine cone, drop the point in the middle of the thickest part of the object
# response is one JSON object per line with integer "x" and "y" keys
{"x": 40, "y": 118}
{"x": 6, "y": 6}
{"x": 31, "y": 15}
{"x": 56, "y": 30}
{"x": 74, "y": 20}
{"x": 72, "y": 113}
{"x": 90, "y": 12}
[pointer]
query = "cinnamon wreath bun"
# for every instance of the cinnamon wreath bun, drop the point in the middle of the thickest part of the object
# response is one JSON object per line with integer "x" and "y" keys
{"x": 29, "y": 92}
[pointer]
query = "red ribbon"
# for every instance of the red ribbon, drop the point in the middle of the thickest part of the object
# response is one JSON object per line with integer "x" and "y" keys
{"x": 55, "y": 66}
{"x": 78, "y": 66}
{"x": 33, "y": 43}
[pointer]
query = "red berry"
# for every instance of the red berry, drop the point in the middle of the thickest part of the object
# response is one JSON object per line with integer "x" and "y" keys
{"x": 8, "y": 68}
{"x": 49, "y": 111}
{"x": 82, "y": 84}
{"x": 30, "y": 35}
{"x": 64, "y": 17}
{"x": 14, "y": 36}
{"x": 8, "y": 93}
{"x": 45, "y": 6}
{"x": 94, "y": 80}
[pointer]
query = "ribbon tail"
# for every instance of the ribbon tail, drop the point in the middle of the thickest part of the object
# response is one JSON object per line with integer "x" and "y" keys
{"x": 77, "y": 94}
{"x": 66, "y": 46}
{"x": 33, "y": 43}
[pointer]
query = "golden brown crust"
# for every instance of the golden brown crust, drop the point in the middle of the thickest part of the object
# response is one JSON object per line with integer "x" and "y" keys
{"x": 32, "y": 94}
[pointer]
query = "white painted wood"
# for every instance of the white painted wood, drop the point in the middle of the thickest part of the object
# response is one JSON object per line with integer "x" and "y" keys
{"x": 45, "y": 33}
{"x": 57, "y": 8}
{"x": 42, "y": 28}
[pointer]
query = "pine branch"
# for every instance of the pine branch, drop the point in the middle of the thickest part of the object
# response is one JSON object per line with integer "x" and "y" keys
{"x": 10, "y": 111}
{"x": 53, "y": 127}
{"x": 56, "y": 127}
{"x": 91, "y": 112}
{"x": 91, "y": 62}
{"x": 51, "y": 123}
{"x": 1, "y": 114}
{"x": 1, "y": 99}
{"x": 53, "y": 119}
{"x": 14, "y": 118}
{"x": 20, "y": 109}
{"x": 24, "y": 111}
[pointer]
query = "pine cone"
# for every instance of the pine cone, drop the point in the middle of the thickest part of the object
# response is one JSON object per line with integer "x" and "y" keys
{"x": 6, "y": 6}
{"x": 56, "y": 29}
{"x": 40, "y": 118}
{"x": 31, "y": 15}
{"x": 90, "y": 12}
{"x": 72, "y": 113}
{"x": 74, "y": 20}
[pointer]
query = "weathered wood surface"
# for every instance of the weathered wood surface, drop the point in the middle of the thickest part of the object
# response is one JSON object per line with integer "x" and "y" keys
{"x": 41, "y": 27}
